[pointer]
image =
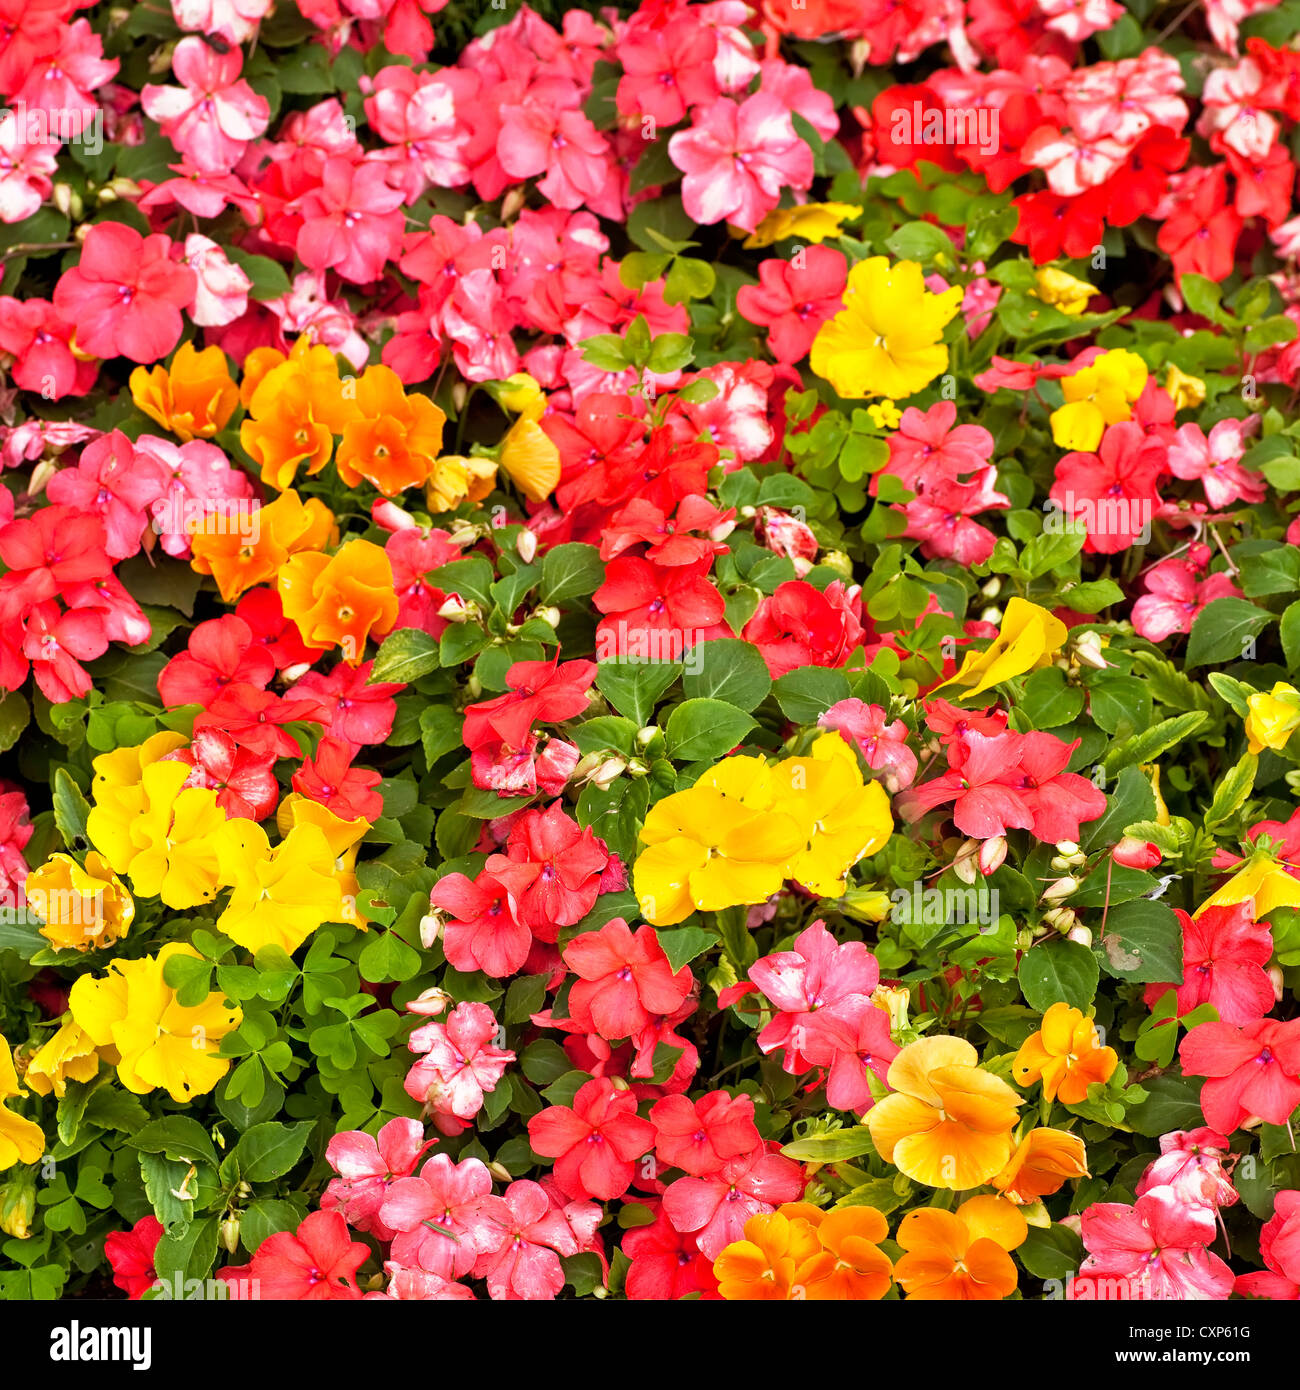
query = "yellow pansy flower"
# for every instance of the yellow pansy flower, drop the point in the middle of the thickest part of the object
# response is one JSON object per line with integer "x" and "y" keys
{"x": 69, "y": 1055}
{"x": 1098, "y": 395}
{"x": 158, "y": 1042}
{"x": 343, "y": 836}
{"x": 279, "y": 895}
{"x": 1028, "y": 638}
{"x": 167, "y": 847}
{"x": 1274, "y": 716}
{"x": 844, "y": 818}
{"x": 887, "y": 340}
{"x": 21, "y": 1140}
{"x": 1263, "y": 880}
{"x": 810, "y": 221}
{"x": 708, "y": 850}
{"x": 81, "y": 907}
{"x": 456, "y": 479}
{"x": 1062, "y": 290}
{"x": 1186, "y": 392}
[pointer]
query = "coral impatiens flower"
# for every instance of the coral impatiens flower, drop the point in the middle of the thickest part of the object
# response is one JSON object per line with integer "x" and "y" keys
{"x": 342, "y": 599}
{"x": 801, "y": 625}
{"x": 949, "y": 1123}
{"x": 888, "y": 338}
{"x": 367, "y": 1164}
{"x": 1254, "y": 1072}
{"x": 458, "y": 1063}
{"x": 328, "y": 777}
{"x": 962, "y": 1254}
{"x": 220, "y": 652}
{"x": 445, "y": 1217}
{"x": 125, "y": 295}
{"x": 1065, "y": 1055}
{"x": 715, "y": 1207}
{"x": 595, "y": 1142}
{"x": 130, "y": 1255}
{"x": 701, "y": 1136}
{"x": 1225, "y": 952}
{"x": 194, "y": 398}
{"x": 624, "y": 980}
{"x": 666, "y": 1264}
{"x": 394, "y": 438}
{"x": 1279, "y": 1248}
{"x": 158, "y": 1041}
{"x": 315, "y": 1263}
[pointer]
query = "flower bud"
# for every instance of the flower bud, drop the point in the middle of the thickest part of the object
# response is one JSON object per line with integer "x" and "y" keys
{"x": 526, "y": 545}
{"x": 512, "y": 204}
{"x": 456, "y": 610}
{"x": 865, "y": 904}
{"x": 432, "y": 1000}
{"x": 1074, "y": 1223}
{"x": 1133, "y": 853}
{"x": 18, "y": 1203}
{"x": 1081, "y": 936}
{"x": 645, "y": 737}
{"x": 548, "y": 614}
{"x": 839, "y": 562}
{"x": 1087, "y": 651}
{"x": 993, "y": 588}
{"x": 966, "y": 863}
{"x": 993, "y": 853}
{"x": 1061, "y": 889}
{"x": 1277, "y": 981}
{"x": 229, "y": 1234}
{"x": 1061, "y": 919}
{"x": 893, "y": 999}
{"x": 499, "y": 1171}
{"x": 431, "y": 925}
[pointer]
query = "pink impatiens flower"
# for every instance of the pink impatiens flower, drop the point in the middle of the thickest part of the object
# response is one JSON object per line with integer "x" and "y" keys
{"x": 533, "y": 1231}
{"x": 715, "y": 1207}
{"x": 367, "y": 1165}
{"x": 126, "y": 294}
{"x": 353, "y": 222}
{"x": 792, "y": 301}
{"x": 444, "y": 1218}
{"x": 1279, "y": 1248}
{"x": 737, "y": 157}
{"x": 213, "y": 114}
{"x": 459, "y": 1064}
{"x": 1154, "y": 1249}
{"x": 881, "y": 743}
{"x": 818, "y": 974}
{"x": 1176, "y": 594}
{"x": 1192, "y": 1163}
{"x": 1216, "y": 461}
{"x": 1254, "y": 1071}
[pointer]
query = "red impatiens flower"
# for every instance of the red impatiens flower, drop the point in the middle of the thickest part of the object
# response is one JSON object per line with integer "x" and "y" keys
{"x": 1279, "y": 1248}
{"x": 792, "y": 301}
{"x": 624, "y": 980}
{"x": 1114, "y": 490}
{"x": 219, "y": 651}
{"x": 1225, "y": 952}
{"x": 539, "y": 692}
{"x": 657, "y": 612}
{"x": 126, "y": 294}
{"x": 1254, "y": 1071}
{"x": 800, "y": 625}
{"x": 253, "y": 718}
{"x": 570, "y": 867}
{"x": 330, "y": 779}
{"x": 666, "y": 1264}
{"x": 314, "y": 1263}
{"x": 715, "y": 1207}
{"x": 262, "y": 611}
{"x": 595, "y": 1142}
{"x": 1201, "y": 234}
{"x": 243, "y": 780}
{"x": 484, "y": 932}
{"x": 131, "y": 1253}
{"x": 700, "y": 1136}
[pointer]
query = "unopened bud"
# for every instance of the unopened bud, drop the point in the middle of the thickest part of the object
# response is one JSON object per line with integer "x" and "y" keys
{"x": 431, "y": 925}
{"x": 229, "y": 1234}
{"x": 548, "y": 614}
{"x": 296, "y": 672}
{"x": 455, "y": 610}
{"x": 499, "y": 1171}
{"x": 993, "y": 588}
{"x": 1073, "y": 1223}
{"x": 865, "y": 904}
{"x": 1277, "y": 981}
{"x": 645, "y": 737}
{"x": 966, "y": 863}
{"x": 1087, "y": 651}
{"x": 839, "y": 562}
{"x": 1081, "y": 936}
{"x": 993, "y": 853}
{"x": 432, "y": 1000}
{"x": 512, "y": 203}
{"x": 526, "y": 545}
{"x": 1133, "y": 853}
{"x": 1063, "y": 888}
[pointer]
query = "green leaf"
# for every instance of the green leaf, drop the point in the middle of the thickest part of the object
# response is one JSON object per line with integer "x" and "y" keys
{"x": 571, "y": 571}
{"x": 809, "y": 692}
{"x": 1051, "y": 1252}
{"x": 634, "y": 687}
{"x": 269, "y": 1150}
{"x": 701, "y": 729}
{"x": 1143, "y": 943}
{"x": 684, "y": 944}
{"x": 1232, "y": 791}
{"x": 405, "y": 655}
{"x": 71, "y": 809}
{"x": 270, "y": 280}
{"x": 729, "y": 669}
{"x": 15, "y": 715}
{"x": 1147, "y": 746}
{"x": 1172, "y": 1102}
{"x": 387, "y": 957}
{"x": 920, "y": 241}
{"x": 1059, "y": 970}
{"x": 834, "y": 1147}
{"x": 176, "y": 1137}
{"x": 1223, "y": 631}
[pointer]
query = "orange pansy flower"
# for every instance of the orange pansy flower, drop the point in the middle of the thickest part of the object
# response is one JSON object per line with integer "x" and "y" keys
{"x": 851, "y": 1267}
{"x": 1042, "y": 1163}
{"x": 1065, "y": 1054}
{"x": 193, "y": 398}
{"x": 394, "y": 440}
{"x": 763, "y": 1267}
{"x": 340, "y": 599}
{"x": 239, "y": 558}
{"x": 949, "y": 1123}
{"x": 961, "y": 1255}
{"x": 295, "y": 411}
